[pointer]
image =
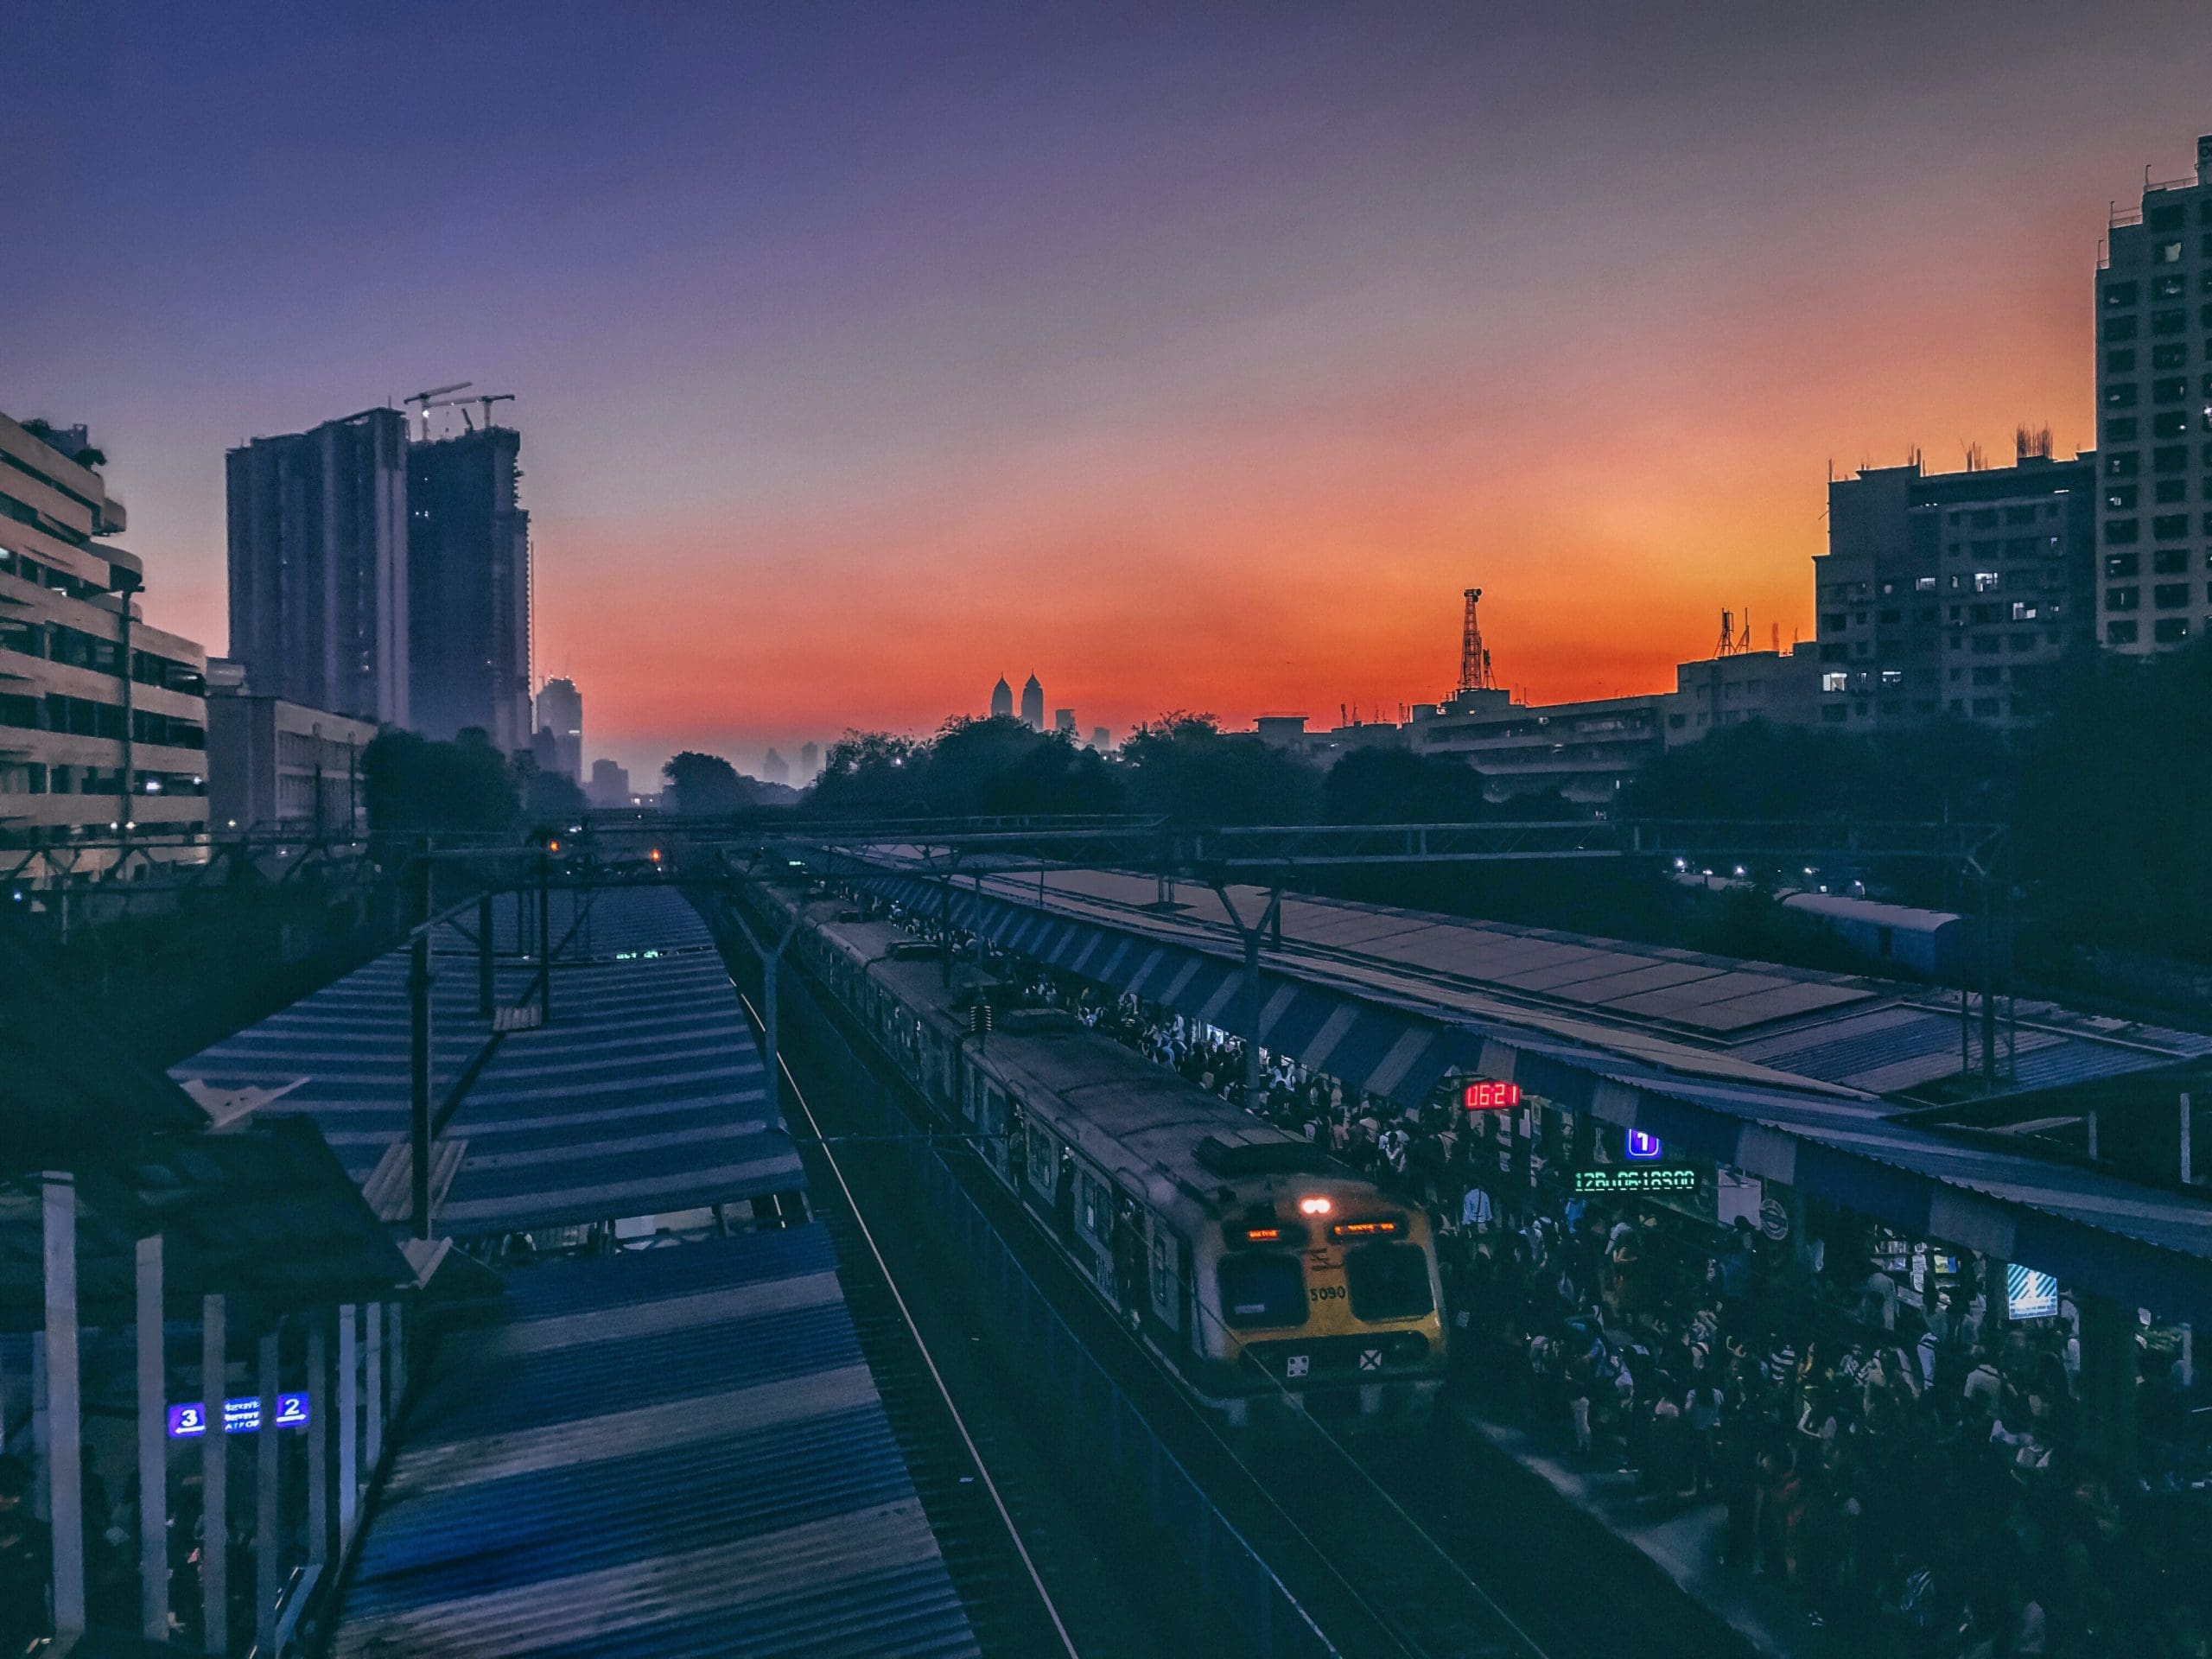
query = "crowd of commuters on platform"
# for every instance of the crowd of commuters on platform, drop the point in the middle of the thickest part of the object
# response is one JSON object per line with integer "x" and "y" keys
{"x": 1919, "y": 1478}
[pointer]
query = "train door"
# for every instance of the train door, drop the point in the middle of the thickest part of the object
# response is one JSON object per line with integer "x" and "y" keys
{"x": 1126, "y": 1245}
{"x": 1063, "y": 1195}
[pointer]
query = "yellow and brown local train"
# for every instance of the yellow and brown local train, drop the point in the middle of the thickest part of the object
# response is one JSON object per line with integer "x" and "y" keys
{"x": 1271, "y": 1279}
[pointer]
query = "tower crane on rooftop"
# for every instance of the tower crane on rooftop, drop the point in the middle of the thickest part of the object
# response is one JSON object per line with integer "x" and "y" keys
{"x": 482, "y": 400}
{"x": 423, "y": 402}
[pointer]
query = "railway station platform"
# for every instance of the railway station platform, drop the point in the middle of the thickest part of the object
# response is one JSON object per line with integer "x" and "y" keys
{"x": 1680, "y": 1537}
{"x": 637, "y": 1419}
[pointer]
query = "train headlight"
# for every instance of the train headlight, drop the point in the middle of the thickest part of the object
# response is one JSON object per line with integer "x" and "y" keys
{"x": 1316, "y": 1206}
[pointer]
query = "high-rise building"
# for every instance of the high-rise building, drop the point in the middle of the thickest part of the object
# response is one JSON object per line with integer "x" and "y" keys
{"x": 561, "y": 711}
{"x": 774, "y": 769}
{"x": 2154, "y": 412}
{"x": 1953, "y": 593}
{"x": 1063, "y": 720}
{"x": 1101, "y": 739}
{"x": 1033, "y": 704}
{"x": 102, "y": 720}
{"x": 1002, "y": 700}
{"x": 469, "y": 587}
{"x": 609, "y": 785}
{"x": 318, "y": 565}
{"x": 810, "y": 761}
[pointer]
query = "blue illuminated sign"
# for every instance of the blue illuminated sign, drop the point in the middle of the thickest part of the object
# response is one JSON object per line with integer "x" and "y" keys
{"x": 1643, "y": 1148}
{"x": 239, "y": 1416}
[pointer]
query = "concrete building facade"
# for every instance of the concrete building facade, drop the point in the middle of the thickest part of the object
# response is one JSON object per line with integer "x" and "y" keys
{"x": 2154, "y": 415}
{"x": 102, "y": 720}
{"x": 561, "y": 712}
{"x": 469, "y": 587}
{"x": 277, "y": 765}
{"x": 1781, "y": 688}
{"x": 609, "y": 784}
{"x": 1954, "y": 593}
{"x": 318, "y": 566}
{"x": 1587, "y": 751}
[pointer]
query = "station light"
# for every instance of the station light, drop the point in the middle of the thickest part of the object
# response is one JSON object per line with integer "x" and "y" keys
{"x": 1485, "y": 1096}
{"x": 654, "y": 854}
{"x": 1313, "y": 1207}
{"x": 553, "y": 846}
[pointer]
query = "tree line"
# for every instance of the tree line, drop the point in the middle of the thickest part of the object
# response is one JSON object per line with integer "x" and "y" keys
{"x": 2109, "y": 803}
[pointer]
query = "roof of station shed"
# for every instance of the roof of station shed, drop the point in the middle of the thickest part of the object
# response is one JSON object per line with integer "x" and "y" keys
{"x": 644, "y": 1095}
{"x": 1777, "y": 1070}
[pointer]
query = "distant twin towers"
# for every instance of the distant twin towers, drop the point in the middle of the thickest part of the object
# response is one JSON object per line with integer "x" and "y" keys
{"x": 1032, "y": 706}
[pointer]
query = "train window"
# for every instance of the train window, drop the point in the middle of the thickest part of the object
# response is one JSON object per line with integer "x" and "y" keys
{"x": 1263, "y": 1290}
{"x": 1159, "y": 1267}
{"x": 1387, "y": 1281}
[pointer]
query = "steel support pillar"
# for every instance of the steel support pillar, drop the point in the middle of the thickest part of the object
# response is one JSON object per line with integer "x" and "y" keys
{"x": 349, "y": 1423}
{"x": 153, "y": 1447}
{"x": 544, "y": 939}
{"x": 321, "y": 1551}
{"x": 64, "y": 1431}
{"x": 418, "y": 1067}
{"x": 372, "y": 1391}
{"x": 214, "y": 1484}
{"x": 486, "y": 996}
{"x": 268, "y": 1533}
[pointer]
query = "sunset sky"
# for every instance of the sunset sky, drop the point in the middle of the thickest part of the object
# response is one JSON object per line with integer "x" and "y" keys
{"x": 1189, "y": 356}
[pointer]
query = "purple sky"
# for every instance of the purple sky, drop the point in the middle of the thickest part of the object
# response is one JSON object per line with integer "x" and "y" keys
{"x": 1187, "y": 356}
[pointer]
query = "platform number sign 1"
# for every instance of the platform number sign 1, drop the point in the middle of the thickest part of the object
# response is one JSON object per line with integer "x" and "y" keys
{"x": 1642, "y": 1148}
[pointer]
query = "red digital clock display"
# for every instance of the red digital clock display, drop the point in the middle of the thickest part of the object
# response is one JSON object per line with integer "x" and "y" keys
{"x": 1486, "y": 1096}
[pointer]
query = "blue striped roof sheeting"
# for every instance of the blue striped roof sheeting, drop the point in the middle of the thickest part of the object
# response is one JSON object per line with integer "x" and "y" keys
{"x": 644, "y": 1096}
{"x": 2093, "y": 1230}
{"x": 666, "y": 1454}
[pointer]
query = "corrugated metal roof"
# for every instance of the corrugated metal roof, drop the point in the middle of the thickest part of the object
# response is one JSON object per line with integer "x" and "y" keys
{"x": 668, "y": 1452}
{"x": 1399, "y": 1035}
{"x": 643, "y": 1096}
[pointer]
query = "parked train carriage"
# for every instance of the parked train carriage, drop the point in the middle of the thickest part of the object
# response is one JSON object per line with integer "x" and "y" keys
{"x": 1267, "y": 1274}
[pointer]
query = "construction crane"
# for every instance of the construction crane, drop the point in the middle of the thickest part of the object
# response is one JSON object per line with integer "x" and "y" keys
{"x": 422, "y": 403}
{"x": 483, "y": 402}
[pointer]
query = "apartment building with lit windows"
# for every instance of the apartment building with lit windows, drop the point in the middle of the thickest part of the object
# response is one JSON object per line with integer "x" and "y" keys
{"x": 1954, "y": 593}
{"x": 102, "y": 720}
{"x": 2154, "y": 412}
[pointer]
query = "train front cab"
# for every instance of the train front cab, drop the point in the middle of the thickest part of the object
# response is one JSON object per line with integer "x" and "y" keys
{"x": 1332, "y": 1312}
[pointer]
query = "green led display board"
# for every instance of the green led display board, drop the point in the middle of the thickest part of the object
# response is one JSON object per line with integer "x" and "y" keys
{"x": 1636, "y": 1177}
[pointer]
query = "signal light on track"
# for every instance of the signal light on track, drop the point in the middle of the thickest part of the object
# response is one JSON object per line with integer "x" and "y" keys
{"x": 1484, "y": 1095}
{"x": 654, "y": 854}
{"x": 1316, "y": 1206}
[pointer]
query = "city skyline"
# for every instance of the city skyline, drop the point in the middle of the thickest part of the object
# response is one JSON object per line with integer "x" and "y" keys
{"x": 1315, "y": 352}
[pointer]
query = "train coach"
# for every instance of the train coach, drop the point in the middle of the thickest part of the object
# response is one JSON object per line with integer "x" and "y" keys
{"x": 1272, "y": 1280}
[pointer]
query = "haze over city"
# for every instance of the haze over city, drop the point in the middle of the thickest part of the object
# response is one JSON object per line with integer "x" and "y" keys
{"x": 864, "y": 354}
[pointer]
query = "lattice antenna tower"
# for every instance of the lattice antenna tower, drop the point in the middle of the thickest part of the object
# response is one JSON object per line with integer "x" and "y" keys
{"x": 1474, "y": 661}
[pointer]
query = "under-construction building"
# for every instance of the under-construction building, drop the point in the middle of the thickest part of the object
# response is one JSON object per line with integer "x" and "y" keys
{"x": 469, "y": 587}
{"x": 318, "y": 565}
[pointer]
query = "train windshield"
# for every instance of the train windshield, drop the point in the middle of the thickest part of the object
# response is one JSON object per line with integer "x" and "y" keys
{"x": 1263, "y": 1290}
{"x": 1387, "y": 1281}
